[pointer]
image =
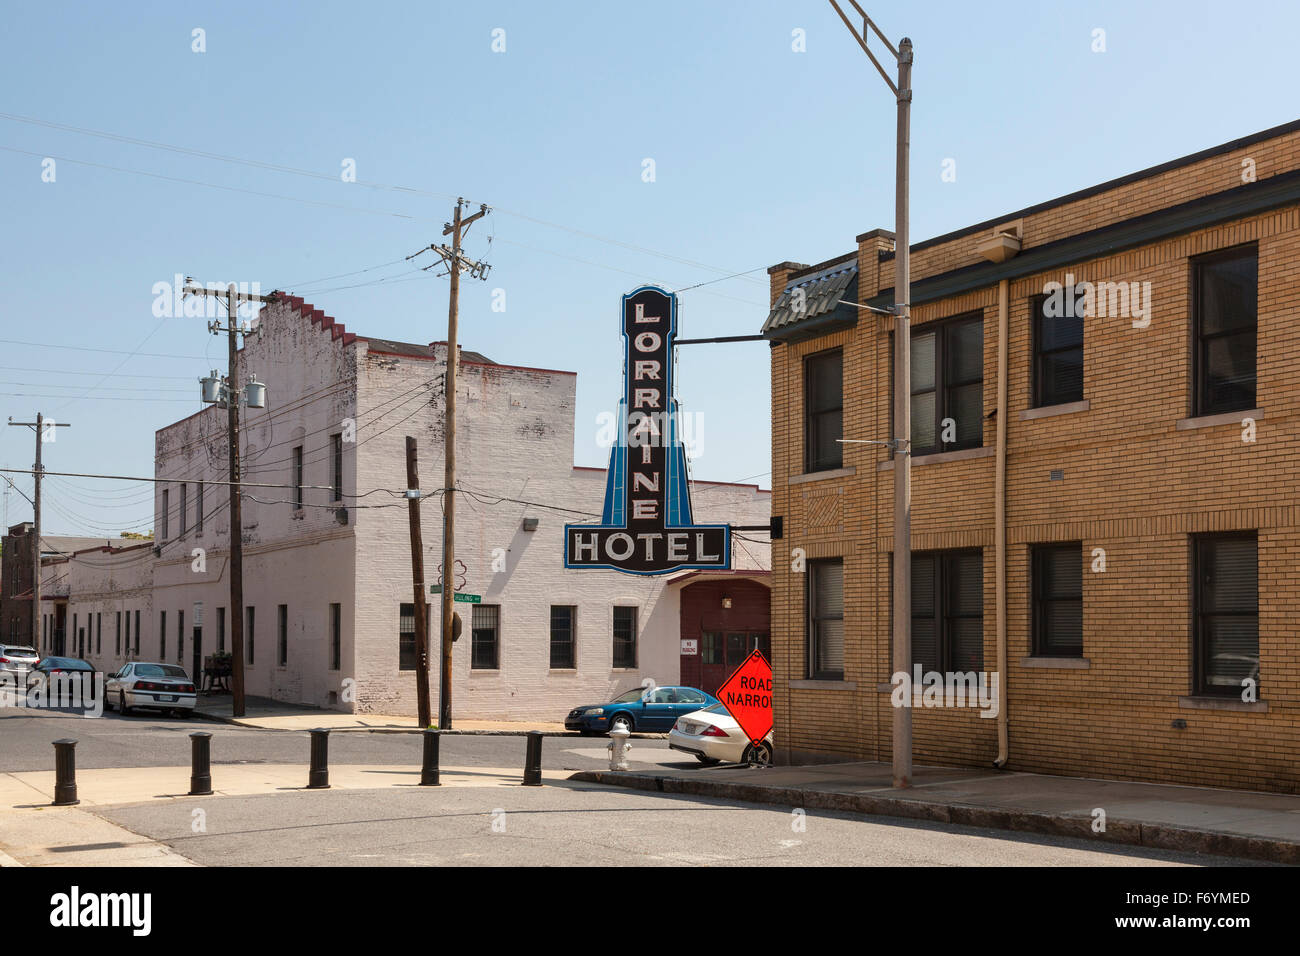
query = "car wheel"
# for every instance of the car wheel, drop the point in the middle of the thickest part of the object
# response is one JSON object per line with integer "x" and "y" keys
{"x": 760, "y": 756}
{"x": 622, "y": 720}
{"x": 707, "y": 761}
{"x": 121, "y": 704}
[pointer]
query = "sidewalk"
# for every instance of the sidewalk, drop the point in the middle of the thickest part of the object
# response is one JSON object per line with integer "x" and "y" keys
{"x": 1258, "y": 826}
{"x": 267, "y": 714}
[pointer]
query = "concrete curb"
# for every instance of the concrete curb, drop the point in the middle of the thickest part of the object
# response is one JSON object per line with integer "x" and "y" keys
{"x": 243, "y": 722}
{"x": 7, "y": 860}
{"x": 1079, "y": 826}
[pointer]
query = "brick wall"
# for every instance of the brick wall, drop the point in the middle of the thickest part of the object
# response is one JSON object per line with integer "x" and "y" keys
{"x": 1134, "y": 484}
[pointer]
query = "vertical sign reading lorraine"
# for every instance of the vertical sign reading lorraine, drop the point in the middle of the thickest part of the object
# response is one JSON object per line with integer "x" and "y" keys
{"x": 646, "y": 526}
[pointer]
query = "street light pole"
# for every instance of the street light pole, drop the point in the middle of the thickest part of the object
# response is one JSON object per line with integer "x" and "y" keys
{"x": 902, "y": 440}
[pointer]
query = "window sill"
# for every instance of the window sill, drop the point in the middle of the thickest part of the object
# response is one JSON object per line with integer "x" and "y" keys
{"x": 815, "y": 684}
{"x": 1062, "y": 663}
{"x": 939, "y": 457}
{"x": 822, "y": 475}
{"x": 1225, "y": 418}
{"x": 1048, "y": 411}
{"x": 563, "y": 670}
{"x": 484, "y": 672}
{"x": 1206, "y": 702}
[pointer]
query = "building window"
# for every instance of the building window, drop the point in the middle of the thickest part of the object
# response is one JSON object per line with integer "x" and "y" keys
{"x": 117, "y": 641}
{"x": 948, "y": 611}
{"x": 180, "y": 636}
{"x": 711, "y": 648}
{"x": 1058, "y": 355}
{"x": 485, "y": 637}
{"x": 824, "y": 416}
{"x": 826, "y": 619}
{"x": 948, "y": 385}
{"x": 406, "y": 638}
{"x": 99, "y": 633}
{"x": 1058, "y": 600}
{"x": 625, "y": 636}
{"x": 1225, "y": 287}
{"x": 562, "y": 616}
{"x": 282, "y": 634}
{"x": 1226, "y": 601}
{"x": 137, "y": 633}
{"x": 221, "y": 629}
{"x": 297, "y": 478}
{"x": 185, "y": 509}
{"x": 250, "y": 619}
{"x": 162, "y": 635}
{"x": 198, "y": 508}
{"x": 336, "y": 636}
{"x": 336, "y": 470}
{"x": 162, "y": 522}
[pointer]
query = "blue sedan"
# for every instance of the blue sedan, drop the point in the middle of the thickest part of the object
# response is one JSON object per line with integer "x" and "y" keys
{"x": 652, "y": 710}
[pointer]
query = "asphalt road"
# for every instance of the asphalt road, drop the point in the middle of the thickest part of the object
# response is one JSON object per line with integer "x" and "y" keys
{"x": 579, "y": 824}
{"x": 26, "y": 739}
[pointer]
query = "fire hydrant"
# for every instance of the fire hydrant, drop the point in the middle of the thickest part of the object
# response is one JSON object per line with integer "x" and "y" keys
{"x": 618, "y": 747}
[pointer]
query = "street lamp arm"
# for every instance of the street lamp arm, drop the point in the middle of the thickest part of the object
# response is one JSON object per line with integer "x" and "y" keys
{"x": 863, "y": 43}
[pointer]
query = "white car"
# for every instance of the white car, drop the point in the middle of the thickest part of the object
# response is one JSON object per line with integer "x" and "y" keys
{"x": 160, "y": 686}
{"x": 18, "y": 658}
{"x": 713, "y": 736}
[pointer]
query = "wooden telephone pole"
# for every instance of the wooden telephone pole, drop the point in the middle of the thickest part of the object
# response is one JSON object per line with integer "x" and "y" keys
{"x": 40, "y": 425}
{"x": 455, "y": 263}
{"x": 233, "y": 396}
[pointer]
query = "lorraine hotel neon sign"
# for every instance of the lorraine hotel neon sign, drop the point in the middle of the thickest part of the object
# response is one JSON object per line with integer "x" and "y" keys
{"x": 646, "y": 526}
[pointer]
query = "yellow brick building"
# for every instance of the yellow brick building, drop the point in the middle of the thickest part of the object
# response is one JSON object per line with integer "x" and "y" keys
{"x": 1150, "y": 481}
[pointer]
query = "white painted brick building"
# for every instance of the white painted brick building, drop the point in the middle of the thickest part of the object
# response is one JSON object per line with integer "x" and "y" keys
{"x": 331, "y": 390}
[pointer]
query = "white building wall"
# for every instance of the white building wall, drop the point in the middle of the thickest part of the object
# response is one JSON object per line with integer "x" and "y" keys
{"x": 515, "y": 441}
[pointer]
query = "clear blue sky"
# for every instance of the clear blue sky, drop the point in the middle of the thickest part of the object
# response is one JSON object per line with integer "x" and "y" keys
{"x": 762, "y": 154}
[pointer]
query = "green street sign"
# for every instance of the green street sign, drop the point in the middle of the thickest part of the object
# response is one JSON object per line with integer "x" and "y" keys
{"x": 461, "y": 598}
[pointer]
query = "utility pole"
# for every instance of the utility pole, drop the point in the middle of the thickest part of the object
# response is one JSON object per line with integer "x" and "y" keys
{"x": 40, "y": 426}
{"x": 232, "y": 396}
{"x": 902, "y": 440}
{"x": 454, "y": 262}
{"x": 417, "y": 583}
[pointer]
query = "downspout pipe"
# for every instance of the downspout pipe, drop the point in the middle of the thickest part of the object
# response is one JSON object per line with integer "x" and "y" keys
{"x": 1000, "y": 527}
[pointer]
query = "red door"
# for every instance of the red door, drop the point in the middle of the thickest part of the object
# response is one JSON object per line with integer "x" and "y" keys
{"x": 722, "y": 652}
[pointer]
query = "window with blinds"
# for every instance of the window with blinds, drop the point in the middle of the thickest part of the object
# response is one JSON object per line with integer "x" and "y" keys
{"x": 1058, "y": 599}
{"x": 1225, "y": 319}
{"x": 485, "y": 637}
{"x": 1058, "y": 355}
{"x": 948, "y": 611}
{"x": 1226, "y": 636}
{"x": 824, "y": 411}
{"x": 826, "y": 619}
{"x": 948, "y": 383}
{"x": 562, "y": 656}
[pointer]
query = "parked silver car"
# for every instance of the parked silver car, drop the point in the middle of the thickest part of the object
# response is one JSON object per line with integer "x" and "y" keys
{"x": 158, "y": 686}
{"x": 18, "y": 658}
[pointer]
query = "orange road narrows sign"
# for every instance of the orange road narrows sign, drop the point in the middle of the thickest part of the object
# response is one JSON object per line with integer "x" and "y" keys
{"x": 747, "y": 695}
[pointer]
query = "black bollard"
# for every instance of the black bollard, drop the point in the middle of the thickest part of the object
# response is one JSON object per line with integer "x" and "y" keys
{"x": 533, "y": 760}
{"x": 65, "y": 773}
{"x": 429, "y": 770}
{"x": 200, "y": 764}
{"x": 319, "y": 776}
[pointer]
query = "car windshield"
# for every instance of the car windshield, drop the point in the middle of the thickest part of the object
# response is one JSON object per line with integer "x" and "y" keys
{"x": 21, "y": 652}
{"x": 160, "y": 670}
{"x": 66, "y": 663}
{"x": 629, "y": 696}
{"x": 717, "y": 708}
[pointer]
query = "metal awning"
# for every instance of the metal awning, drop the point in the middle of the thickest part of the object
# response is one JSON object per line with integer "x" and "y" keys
{"x": 823, "y": 294}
